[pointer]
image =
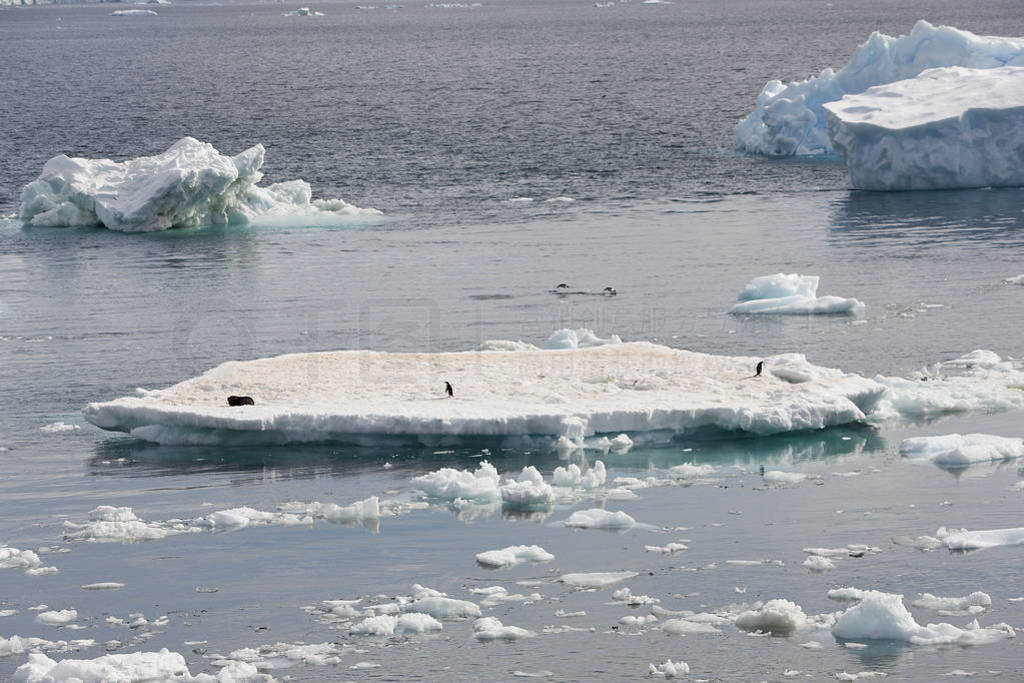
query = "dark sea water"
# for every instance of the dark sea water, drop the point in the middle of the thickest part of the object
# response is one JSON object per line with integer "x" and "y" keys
{"x": 439, "y": 117}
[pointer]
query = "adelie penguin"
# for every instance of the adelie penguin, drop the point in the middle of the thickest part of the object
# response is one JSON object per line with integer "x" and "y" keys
{"x": 759, "y": 368}
{"x": 448, "y": 389}
{"x": 235, "y": 401}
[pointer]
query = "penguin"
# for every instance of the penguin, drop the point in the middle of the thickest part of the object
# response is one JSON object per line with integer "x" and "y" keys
{"x": 235, "y": 401}
{"x": 609, "y": 291}
{"x": 562, "y": 286}
{"x": 448, "y": 389}
{"x": 759, "y": 368}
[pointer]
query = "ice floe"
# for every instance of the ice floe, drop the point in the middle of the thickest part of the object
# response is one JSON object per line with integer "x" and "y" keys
{"x": 303, "y": 12}
{"x": 59, "y": 427}
{"x": 779, "y": 477}
{"x": 600, "y": 519}
{"x": 366, "y": 397}
{"x": 26, "y": 560}
{"x": 975, "y": 603}
{"x": 779, "y": 617}
{"x": 404, "y": 624}
{"x": 946, "y": 128}
{"x": 57, "y": 617}
{"x": 789, "y": 119}
{"x": 595, "y": 579}
{"x": 513, "y": 555}
{"x": 133, "y": 13}
{"x": 883, "y": 616}
{"x": 669, "y": 669}
{"x": 491, "y": 628}
{"x": 119, "y": 524}
{"x": 188, "y": 185}
{"x": 137, "y": 666}
{"x": 962, "y": 539}
{"x": 956, "y": 450}
{"x": 791, "y": 294}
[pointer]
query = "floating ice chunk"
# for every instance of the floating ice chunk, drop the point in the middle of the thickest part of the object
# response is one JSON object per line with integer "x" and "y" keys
{"x": 955, "y": 450}
{"x": 58, "y": 427}
{"x": 117, "y": 524}
{"x": 490, "y": 628}
{"x": 513, "y": 555}
{"x": 380, "y": 625}
{"x": 641, "y": 621}
{"x": 669, "y": 669}
{"x": 600, "y": 519}
{"x": 595, "y": 579}
{"x": 625, "y": 595}
{"x": 137, "y": 666}
{"x": 190, "y": 184}
{"x": 688, "y": 627}
{"x": 525, "y": 495}
{"x": 950, "y": 127}
{"x": 303, "y": 12}
{"x": 578, "y": 339}
{"x": 448, "y": 484}
{"x": 667, "y": 549}
{"x": 817, "y": 563}
{"x": 57, "y": 617}
{"x": 788, "y": 119}
{"x": 361, "y": 511}
{"x": 778, "y": 477}
{"x": 791, "y": 294}
{"x": 1015, "y": 280}
{"x": 239, "y": 517}
{"x": 844, "y": 676}
{"x": 882, "y": 616}
{"x": 133, "y": 13}
{"x": 444, "y": 608}
{"x": 780, "y": 617}
{"x": 26, "y": 560}
{"x": 962, "y": 539}
{"x": 103, "y": 586}
{"x": 689, "y": 471}
{"x": 405, "y": 624}
{"x": 975, "y": 603}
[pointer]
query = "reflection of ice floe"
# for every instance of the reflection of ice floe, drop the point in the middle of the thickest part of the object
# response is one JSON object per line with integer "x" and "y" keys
{"x": 955, "y": 450}
{"x": 365, "y": 396}
{"x": 788, "y": 119}
{"x": 791, "y": 294}
{"x": 190, "y": 184}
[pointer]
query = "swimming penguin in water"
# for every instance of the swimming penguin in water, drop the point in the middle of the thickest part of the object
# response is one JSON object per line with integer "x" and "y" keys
{"x": 235, "y": 401}
{"x": 448, "y": 389}
{"x": 759, "y": 368}
{"x": 562, "y": 286}
{"x": 609, "y": 291}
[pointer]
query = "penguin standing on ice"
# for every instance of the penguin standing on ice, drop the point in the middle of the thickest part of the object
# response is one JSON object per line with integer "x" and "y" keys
{"x": 448, "y": 389}
{"x": 759, "y": 368}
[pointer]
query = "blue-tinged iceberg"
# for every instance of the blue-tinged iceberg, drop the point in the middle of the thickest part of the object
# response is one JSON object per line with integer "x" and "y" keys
{"x": 191, "y": 184}
{"x": 947, "y": 128}
{"x": 791, "y": 294}
{"x": 789, "y": 120}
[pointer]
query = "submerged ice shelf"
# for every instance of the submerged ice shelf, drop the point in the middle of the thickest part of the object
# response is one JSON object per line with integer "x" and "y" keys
{"x": 559, "y": 395}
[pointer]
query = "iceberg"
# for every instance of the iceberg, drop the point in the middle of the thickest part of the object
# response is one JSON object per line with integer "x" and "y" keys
{"x": 191, "y": 184}
{"x": 791, "y": 294}
{"x": 947, "y": 128}
{"x": 956, "y": 450}
{"x": 366, "y": 397}
{"x": 789, "y": 119}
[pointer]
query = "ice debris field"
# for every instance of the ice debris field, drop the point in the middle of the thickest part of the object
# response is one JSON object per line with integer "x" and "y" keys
{"x": 602, "y": 395}
{"x": 191, "y": 184}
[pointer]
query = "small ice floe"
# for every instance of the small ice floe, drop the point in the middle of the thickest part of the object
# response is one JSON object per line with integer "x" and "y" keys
{"x": 779, "y": 477}
{"x": 669, "y": 669}
{"x": 439, "y": 606}
{"x": 1015, "y": 280}
{"x": 513, "y": 555}
{"x": 490, "y": 628}
{"x": 118, "y": 524}
{"x": 638, "y": 621}
{"x": 691, "y": 471}
{"x": 450, "y": 484}
{"x": 595, "y": 579}
{"x": 59, "y": 427}
{"x": 26, "y": 560}
{"x": 137, "y": 666}
{"x": 819, "y": 564}
{"x": 955, "y": 450}
{"x": 405, "y": 624}
{"x": 16, "y": 645}
{"x": 8, "y": 612}
{"x": 572, "y": 476}
{"x": 303, "y": 12}
{"x": 596, "y": 518}
{"x": 133, "y": 13}
{"x": 57, "y": 617}
{"x": 626, "y": 596}
{"x": 667, "y": 549}
{"x": 925, "y": 543}
{"x": 366, "y": 512}
{"x": 791, "y": 294}
{"x": 778, "y": 617}
{"x": 859, "y": 676}
{"x": 689, "y": 626}
{"x": 529, "y": 491}
{"x": 973, "y": 604}
{"x": 883, "y": 616}
{"x": 498, "y": 595}
{"x": 365, "y": 665}
{"x": 103, "y": 586}
{"x": 962, "y": 539}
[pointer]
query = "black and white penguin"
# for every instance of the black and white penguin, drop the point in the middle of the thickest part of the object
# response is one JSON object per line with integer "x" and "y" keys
{"x": 759, "y": 368}
{"x": 448, "y": 389}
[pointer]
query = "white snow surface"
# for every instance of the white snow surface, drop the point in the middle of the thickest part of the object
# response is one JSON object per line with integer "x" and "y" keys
{"x": 947, "y": 128}
{"x": 364, "y": 396}
{"x": 789, "y": 119}
{"x": 791, "y": 294}
{"x": 883, "y": 616}
{"x": 188, "y": 185}
{"x": 956, "y": 450}
{"x": 513, "y": 555}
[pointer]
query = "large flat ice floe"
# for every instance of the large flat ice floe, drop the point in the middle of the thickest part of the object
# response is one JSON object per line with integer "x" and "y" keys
{"x": 563, "y": 395}
{"x": 791, "y": 294}
{"x": 788, "y": 119}
{"x": 190, "y": 184}
{"x": 947, "y": 128}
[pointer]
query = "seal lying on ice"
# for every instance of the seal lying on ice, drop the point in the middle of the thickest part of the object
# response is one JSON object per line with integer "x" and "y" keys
{"x": 241, "y": 401}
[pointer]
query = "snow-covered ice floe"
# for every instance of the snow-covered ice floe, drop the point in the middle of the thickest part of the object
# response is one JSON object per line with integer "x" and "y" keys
{"x": 513, "y": 555}
{"x": 789, "y": 119}
{"x": 883, "y": 616}
{"x": 191, "y": 184}
{"x": 137, "y": 666}
{"x": 561, "y": 396}
{"x": 791, "y": 294}
{"x": 956, "y": 450}
{"x": 133, "y": 13}
{"x": 947, "y": 128}
{"x": 962, "y": 539}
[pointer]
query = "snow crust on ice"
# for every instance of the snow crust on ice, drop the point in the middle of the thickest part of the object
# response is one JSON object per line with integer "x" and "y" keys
{"x": 595, "y": 579}
{"x": 513, "y": 555}
{"x": 791, "y": 294}
{"x": 962, "y": 539}
{"x": 946, "y": 128}
{"x": 956, "y": 450}
{"x": 788, "y": 119}
{"x": 883, "y": 616}
{"x": 600, "y": 519}
{"x": 491, "y": 628}
{"x": 366, "y": 396}
{"x": 188, "y": 185}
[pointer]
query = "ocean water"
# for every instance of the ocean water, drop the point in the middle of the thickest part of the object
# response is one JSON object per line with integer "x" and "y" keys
{"x": 460, "y": 123}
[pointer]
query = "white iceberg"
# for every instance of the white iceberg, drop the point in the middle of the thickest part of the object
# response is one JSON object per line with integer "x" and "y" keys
{"x": 190, "y": 184}
{"x": 791, "y": 294}
{"x": 788, "y": 119}
{"x": 451, "y": 484}
{"x": 365, "y": 397}
{"x": 883, "y": 616}
{"x": 491, "y": 628}
{"x": 947, "y": 128}
{"x": 600, "y": 519}
{"x": 779, "y": 617}
{"x": 513, "y": 555}
{"x": 956, "y": 450}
